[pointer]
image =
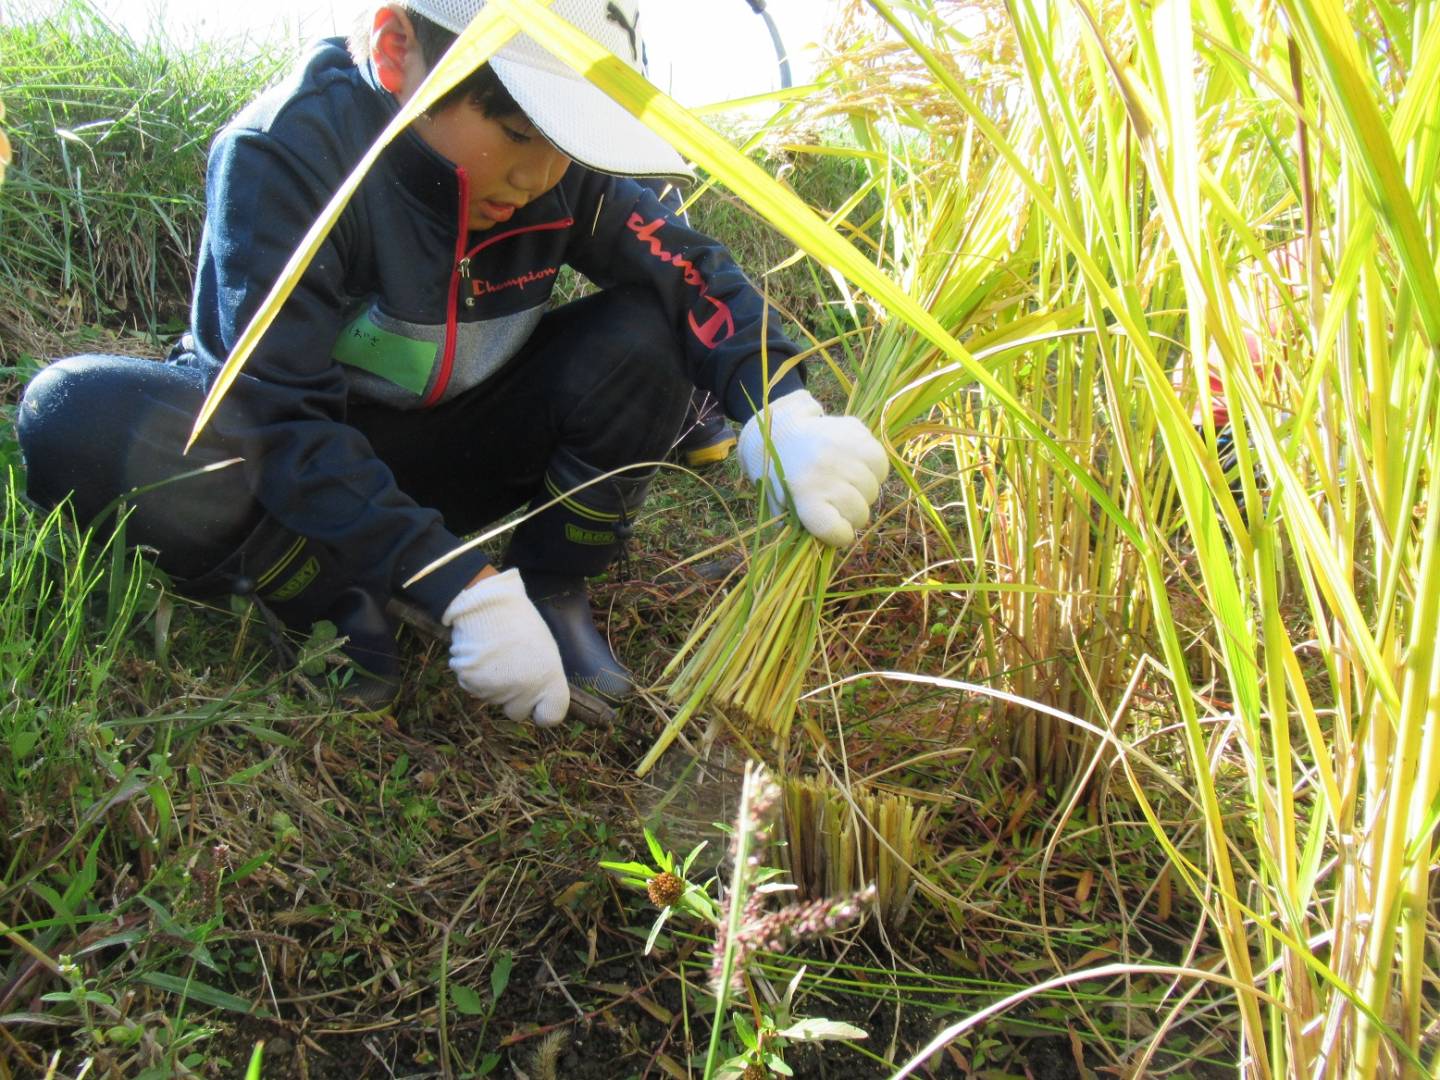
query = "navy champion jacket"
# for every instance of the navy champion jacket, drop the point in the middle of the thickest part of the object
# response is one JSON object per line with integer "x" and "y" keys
{"x": 404, "y": 306}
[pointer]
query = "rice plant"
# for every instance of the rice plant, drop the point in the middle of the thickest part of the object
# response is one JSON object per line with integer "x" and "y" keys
{"x": 1184, "y": 170}
{"x": 948, "y": 233}
{"x": 1220, "y": 169}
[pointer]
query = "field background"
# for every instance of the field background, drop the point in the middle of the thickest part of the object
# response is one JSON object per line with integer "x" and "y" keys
{"x": 1126, "y": 702}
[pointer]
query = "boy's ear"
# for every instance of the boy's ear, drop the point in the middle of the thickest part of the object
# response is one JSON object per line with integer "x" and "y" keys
{"x": 395, "y": 52}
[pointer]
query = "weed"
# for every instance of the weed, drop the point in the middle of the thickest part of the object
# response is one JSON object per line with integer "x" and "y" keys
{"x": 742, "y": 929}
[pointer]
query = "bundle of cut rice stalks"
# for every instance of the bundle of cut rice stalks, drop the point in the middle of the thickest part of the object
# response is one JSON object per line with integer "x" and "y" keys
{"x": 952, "y": 235}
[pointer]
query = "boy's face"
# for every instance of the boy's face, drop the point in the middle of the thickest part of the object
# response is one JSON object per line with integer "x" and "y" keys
{"x": 507, "y": 161}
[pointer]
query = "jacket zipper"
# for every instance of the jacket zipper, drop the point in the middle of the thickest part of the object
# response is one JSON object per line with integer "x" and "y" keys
{"x": 460, "y": 281}
{"x": 462, "y": 269}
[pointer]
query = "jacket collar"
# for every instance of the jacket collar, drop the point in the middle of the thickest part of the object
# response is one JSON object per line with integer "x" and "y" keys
{"x": 416, "y": 166}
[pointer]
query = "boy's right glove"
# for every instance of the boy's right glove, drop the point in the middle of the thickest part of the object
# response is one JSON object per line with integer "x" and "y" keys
{"x": 833, "y": 466}
{"x": 502, "y": 651}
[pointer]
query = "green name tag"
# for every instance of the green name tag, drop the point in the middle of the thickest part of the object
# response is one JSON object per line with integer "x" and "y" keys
{"x": 400, "y": 360}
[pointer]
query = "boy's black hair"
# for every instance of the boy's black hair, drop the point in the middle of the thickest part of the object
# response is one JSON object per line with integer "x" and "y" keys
{"x": 481, "y": 88}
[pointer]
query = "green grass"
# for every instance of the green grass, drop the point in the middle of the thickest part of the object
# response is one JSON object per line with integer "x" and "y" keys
{"x": 101, "y": 210}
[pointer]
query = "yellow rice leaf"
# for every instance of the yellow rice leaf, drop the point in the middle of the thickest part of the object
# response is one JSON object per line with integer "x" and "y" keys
{"x": 1328, "y": 39}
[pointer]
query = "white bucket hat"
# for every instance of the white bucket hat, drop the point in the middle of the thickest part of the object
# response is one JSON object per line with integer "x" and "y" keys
{"x": 579, "y": 118}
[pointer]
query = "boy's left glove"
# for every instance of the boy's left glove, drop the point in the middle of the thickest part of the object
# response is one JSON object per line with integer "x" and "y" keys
{"x": 833, "y": 466}
{"x": 502, "y": 652}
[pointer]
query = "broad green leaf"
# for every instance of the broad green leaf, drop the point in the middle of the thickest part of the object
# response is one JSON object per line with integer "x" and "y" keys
{"x": 500, "y": 974}
{"x": 633, "y": 869}
{"x": 690, "y": 859}
{"x": 657, "y": 852}
{"x": 250, "y": 772}
{"x": 466, "y": 1000}
{"x": 54, "y": 900}
{"x": 776, "y": 1064}
{"x": 745, "y": 1030}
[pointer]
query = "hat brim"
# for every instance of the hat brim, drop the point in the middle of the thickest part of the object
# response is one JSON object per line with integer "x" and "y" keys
{"x": 587, "y": 124}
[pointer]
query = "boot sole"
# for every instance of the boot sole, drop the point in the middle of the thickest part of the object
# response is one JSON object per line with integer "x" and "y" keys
{"x": 708, "y": 455}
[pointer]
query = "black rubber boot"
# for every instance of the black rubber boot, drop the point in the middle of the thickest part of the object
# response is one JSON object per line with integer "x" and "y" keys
{"x": 291, "y": 580}
{"x": 369, "y": 645}
{"x": 589, "y": 662}
{"x": 562, "y": 545}
{"x": 98, "y": 426}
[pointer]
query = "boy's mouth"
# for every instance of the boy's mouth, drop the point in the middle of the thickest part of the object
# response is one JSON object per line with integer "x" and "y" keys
{"x": 496, "y": 211}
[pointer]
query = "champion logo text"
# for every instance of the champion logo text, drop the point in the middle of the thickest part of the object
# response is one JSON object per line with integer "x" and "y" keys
{"x": 720, "y": 324}
{"x": 481, "y": 287}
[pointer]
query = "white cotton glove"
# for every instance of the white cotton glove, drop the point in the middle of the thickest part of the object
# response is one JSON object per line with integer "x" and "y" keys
{"x": 833, "y": 466}
{"x": 502, "y": 651}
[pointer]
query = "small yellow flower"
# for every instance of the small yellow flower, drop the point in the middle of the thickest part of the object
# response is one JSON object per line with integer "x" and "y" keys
{"x": 4, "y": 146}
{"x": 665, "y": 889}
